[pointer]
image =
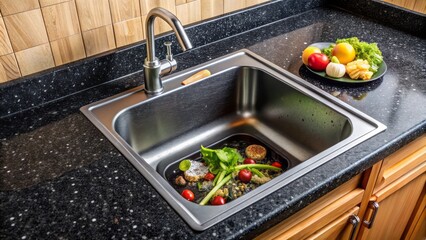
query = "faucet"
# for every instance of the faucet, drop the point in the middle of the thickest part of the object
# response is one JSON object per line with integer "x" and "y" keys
{"x": 153, "y": 67}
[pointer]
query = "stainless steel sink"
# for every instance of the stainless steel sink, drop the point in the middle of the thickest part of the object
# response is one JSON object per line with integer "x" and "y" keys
{"x": 245, "y": 95}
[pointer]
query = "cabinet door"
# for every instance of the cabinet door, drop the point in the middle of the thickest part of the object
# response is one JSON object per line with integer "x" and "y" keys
{"x": 401, "y": 162}
{"x": 342, "y": 228}
{"x": 416, "y": 229}
{"x": 396, "y": 205}
{"x": 318, "y": 214}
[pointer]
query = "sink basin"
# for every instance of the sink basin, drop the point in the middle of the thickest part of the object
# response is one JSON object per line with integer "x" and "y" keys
{"x": 245, "y": 96}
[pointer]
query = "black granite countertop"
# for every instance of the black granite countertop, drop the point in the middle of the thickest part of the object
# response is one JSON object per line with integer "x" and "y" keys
{"x": 61, "y": 178}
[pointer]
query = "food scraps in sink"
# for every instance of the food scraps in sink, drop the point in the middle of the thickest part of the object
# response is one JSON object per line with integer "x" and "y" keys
{"x": 224, "y": 174}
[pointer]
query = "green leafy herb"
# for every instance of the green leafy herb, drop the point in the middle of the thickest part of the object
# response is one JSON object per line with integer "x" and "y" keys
{"x": 223, "y": 163}
{"x": 329, "y": 50}
{"x": 364, "y": 50}
{"x": 219, "y": 160}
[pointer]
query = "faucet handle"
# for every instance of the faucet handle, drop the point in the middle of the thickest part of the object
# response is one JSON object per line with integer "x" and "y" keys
{"x": 169, "y": 55}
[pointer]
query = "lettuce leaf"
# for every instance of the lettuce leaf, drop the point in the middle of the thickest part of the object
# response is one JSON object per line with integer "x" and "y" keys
{"x": 365, "y": 51}
{"x": 218, "y": 160}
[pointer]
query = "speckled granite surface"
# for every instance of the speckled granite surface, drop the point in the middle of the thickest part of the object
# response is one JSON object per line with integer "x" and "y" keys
{"x": 60, "y": 177}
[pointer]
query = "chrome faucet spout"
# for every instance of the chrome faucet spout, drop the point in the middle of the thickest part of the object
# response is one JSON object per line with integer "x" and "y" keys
{"x": 154, "y": 68}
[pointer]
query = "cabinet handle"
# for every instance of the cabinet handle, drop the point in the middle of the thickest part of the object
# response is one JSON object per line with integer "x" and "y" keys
{"x": 354, "y": 221}
{"x": 375, "y": 207}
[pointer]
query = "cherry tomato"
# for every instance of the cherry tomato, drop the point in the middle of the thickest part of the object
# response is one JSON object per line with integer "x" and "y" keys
{"x": 209, "y": 176}
{"x": 188, "y": 195}
{"x": 244, "y": 175}
{"x": 277, "y": 164}
{"x": 218, "y": 200}
{"x": 318, "y": 61}
{"x": 249, "y": 161}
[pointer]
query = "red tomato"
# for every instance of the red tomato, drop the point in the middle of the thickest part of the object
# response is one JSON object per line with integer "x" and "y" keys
{"x": 318, "y": 61}
{"x": 276, "y": 164}
{"x": 249, "y": 161}
{"x": 188, "y": 195}
{"x": 244, "y": 175}
{"x": 209, "y": 176}
{"x": 218, "y": 200}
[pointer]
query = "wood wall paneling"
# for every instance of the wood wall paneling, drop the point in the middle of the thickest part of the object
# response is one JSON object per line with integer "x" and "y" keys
{"x": 127, "y": 21}
{"x": 68, "y": 49}
{"x": 44, "y": 3}
{"x": 38, "y": 34}
{"x": 211, "y": 8}
{"x": 96, "y": 25}
{"x": 35, "y": 59}
{"x": 179, "y": 2}
{"x": 8, "y": 68}
{"x": 26, "y": 29}
{"x": 93, "y": 14}
{"x": 189, "y": 12}
{"x": 122, "y": 10}
{"x": 99, "y": 40}
{"x": 250, "y": 3}
{"x": 5, "y": 45}
{"x": 129, "y": 31}
{"x": 147, "y": 5}
{"x": 415, "y": 5}
{"x": 61, "y": 20}
{"x": 9, "y": 7}
{"x": 420, "y": 6}
{"x": 232, "y": 5}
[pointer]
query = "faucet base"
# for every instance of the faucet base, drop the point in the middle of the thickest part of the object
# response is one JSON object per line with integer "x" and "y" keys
{"x": 152, "y": 72}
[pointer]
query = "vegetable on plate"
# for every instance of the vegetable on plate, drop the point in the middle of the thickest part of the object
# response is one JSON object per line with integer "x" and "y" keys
{"x": 318, "y": 61}
{"x": 363, "y": 50}
{"x": 335, "y": 69}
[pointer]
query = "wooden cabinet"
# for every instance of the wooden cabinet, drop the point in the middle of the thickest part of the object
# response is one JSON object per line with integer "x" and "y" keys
{"x": 389, "y": 199}
{"x": 329, "y": 214}
{"x": 398, "y": 190}
{"x": 396, "y": 205}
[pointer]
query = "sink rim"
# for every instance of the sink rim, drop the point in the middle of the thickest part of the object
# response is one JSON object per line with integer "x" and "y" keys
{"x": 171, "y": 84}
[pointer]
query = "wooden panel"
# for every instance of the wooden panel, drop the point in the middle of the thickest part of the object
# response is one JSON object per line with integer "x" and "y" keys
{"x": 128, "y": 32}
{"x": 8, "y": 68}
{"x": 232, "y": 5}
{"x": 5, "y": 46}
{"x": 401, "y": 162}
{"x": 189, "y": 12}
{"x": 61, "y": 20}
{"x": 9, "y": 7}
{"x": 99, "y": 24}
{"x": 93, "y": 14}
{"x": 26, "y": 29}
{"x": 147, "y": 5}
{"x": 68, "y": 49}
{"x": 211, "y": 8}
{"x": 415, "y": 5}
{"x": 402, "y": 181}
{"x": 338, "y": 229}
{"x": 44, "y": 3}
{"x": 35, "y": 59}
{"x": 419, "y": 232}
{"x": 99, "y": 40}
{"x": 395, "y": 211}
{"x": 420, "y": 6}
{"x": 417, "y": 222}
{"x": 325, "y": 216}
{"x": 312, "y": 209}
{"x": 250, "y": 3}
{"x": 122, "y": 10}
